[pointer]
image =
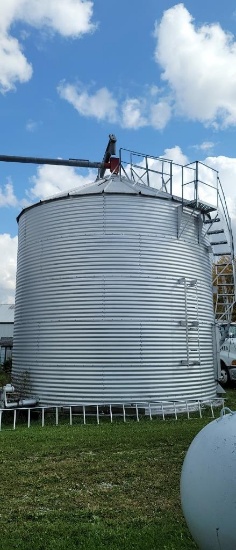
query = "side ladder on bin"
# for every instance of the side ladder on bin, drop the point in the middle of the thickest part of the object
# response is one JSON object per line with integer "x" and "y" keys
{"x": 191, "y": 322}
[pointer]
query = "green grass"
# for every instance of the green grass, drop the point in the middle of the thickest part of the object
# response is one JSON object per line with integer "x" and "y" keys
{"x": 112, "y": 486}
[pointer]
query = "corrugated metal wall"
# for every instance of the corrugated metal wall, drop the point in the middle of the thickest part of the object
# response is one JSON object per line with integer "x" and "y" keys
{"x": 99, "y": 305}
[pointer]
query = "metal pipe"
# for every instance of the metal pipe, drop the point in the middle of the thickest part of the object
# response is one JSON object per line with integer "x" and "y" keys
{"x": 14, "y": 419}
{"x": 12, "y": 405}
{"x": 42, "y": 417}
{"x": 196, "y": 184}
{"x": 19, "y": 404}
{"x": 16, "y": 404}
{"x": 124, "y": 418}
{"x": 171, "y": 178}
{"x": 79, "y": 163}
{"x": 57, "y": 162}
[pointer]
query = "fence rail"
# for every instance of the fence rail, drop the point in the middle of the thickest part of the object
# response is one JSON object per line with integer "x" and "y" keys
{"x": 85, "y": 413}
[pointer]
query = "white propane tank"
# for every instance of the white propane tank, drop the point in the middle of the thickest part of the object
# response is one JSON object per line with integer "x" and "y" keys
{"x": 208, "y": 485}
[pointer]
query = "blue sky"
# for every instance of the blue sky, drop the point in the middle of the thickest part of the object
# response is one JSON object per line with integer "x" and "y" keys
{"x": 160, "y": 75}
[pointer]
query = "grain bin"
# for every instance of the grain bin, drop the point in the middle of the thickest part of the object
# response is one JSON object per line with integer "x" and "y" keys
{"x": 113, "y": 302}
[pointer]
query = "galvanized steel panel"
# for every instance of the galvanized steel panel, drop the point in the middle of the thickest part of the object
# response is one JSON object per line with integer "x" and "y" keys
{"x": 99, "y": 305}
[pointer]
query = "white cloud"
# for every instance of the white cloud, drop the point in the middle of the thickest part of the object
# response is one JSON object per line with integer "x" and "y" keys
{"x": 139, "y": 112}
{"x": 176, "y": 155}
{"x": 13, "y": 64}
{"x": 132, "y": 112}
{"x": 132, "y": 116}
{"x": 51, "y": 180}
{"x": 154, "y": 90}
{"x": 24, "y": 35}
{"x": 69, "y": 18}
{"x": 32, "y": 125}
{"x": 7, "y": 195}
{"x": 160, "y": 114}
{"x": 100, "y": 105}
{"x": 199, "y": 65}
{"x": 204, "y": 146}
{"x": 8, "y": 254}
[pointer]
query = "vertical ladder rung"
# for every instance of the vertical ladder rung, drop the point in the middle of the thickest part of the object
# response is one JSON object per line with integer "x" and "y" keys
{"x": 215, "y": 232}
{"x": 215, "y": 243}
{"x": 207, "y": 222}
{"x": 222, "y": 254}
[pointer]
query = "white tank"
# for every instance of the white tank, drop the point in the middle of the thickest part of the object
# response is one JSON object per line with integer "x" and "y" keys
{"x": 111, "y": 305}
{"x": 208, "y": 485}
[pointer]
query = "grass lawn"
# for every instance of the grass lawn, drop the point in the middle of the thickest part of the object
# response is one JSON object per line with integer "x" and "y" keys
{"x": 112, "y": 486}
